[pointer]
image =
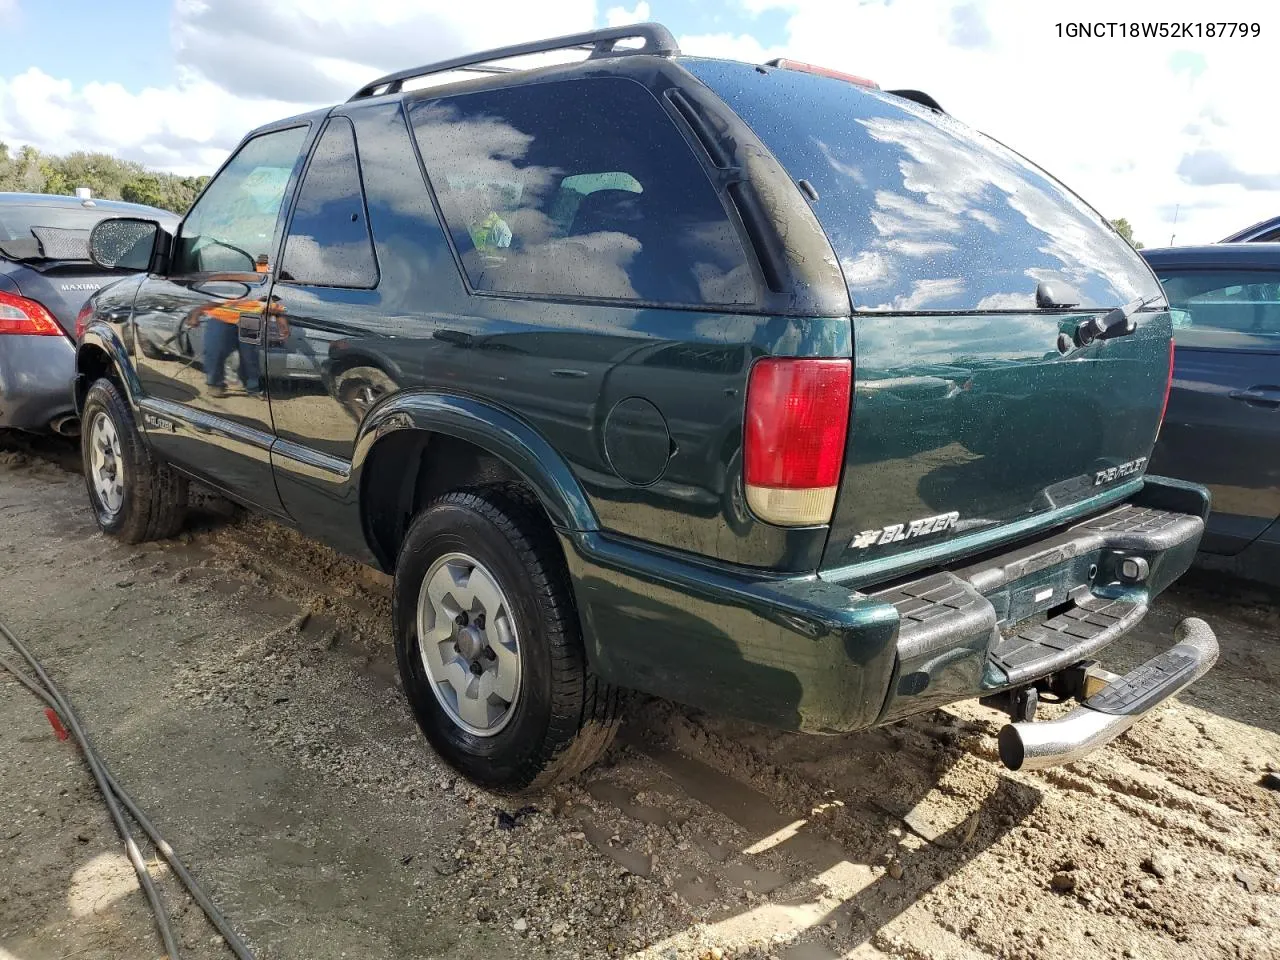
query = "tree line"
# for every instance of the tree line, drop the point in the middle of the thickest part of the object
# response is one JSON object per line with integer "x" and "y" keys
{"x": 30, "y": 171}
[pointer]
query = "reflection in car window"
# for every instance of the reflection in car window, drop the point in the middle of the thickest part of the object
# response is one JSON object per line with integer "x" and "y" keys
{"x": 329, "y": 243}
{"x": 579, "y": 188}
{"x": 233, "y": 223}
{"x": 1225, "y": 308}
{"x": 925, "y": 213}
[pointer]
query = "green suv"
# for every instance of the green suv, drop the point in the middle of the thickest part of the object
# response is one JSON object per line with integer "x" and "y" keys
{"x": 755, "y": 387}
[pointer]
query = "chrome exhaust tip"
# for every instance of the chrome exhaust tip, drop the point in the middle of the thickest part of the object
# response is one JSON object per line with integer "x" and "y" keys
{"x": 1115, "y": 708}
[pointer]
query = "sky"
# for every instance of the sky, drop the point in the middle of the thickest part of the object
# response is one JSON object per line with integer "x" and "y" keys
{"x": 1143, "y": 128}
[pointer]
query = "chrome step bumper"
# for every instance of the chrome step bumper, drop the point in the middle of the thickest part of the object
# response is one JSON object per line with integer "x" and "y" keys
{"x": 1114, "y": 708}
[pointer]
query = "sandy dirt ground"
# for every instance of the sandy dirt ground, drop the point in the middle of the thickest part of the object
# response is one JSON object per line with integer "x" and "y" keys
{"x": 240, "y": 682}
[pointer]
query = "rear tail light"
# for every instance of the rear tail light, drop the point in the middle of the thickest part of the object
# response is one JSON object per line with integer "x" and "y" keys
{"x": 793, "y": 441}
{"x": 23, "y": 316}
{"x": 82, "y": 319}
{"x": 1168, "y": 388}
{"x": 782, "y": 63}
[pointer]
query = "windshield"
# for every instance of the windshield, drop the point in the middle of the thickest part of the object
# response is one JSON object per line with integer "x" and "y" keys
{"x": 925, "y": 213}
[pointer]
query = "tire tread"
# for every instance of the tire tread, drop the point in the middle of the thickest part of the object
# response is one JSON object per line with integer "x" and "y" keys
{"x": 586, "y": 711}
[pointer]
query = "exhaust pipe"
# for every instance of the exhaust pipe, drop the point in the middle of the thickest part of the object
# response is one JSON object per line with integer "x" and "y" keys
{"x": 1117, "y": 707}
{"x": 67, "y": 425}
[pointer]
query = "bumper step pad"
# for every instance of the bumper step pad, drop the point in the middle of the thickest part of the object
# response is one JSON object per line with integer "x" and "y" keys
{"x": 1139, "y": 689}
{"x": 1072, "y": 635}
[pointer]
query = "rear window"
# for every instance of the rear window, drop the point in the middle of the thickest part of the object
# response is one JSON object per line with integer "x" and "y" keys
{"x": 63, "y": 232}
{"x": 925, "y": 213}
{"x": 579, "y": 188}
{"x": 1228, "y": 309}
{"x": 16, "y": 221}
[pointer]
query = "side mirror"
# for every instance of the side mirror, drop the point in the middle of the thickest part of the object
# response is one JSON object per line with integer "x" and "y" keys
{"x": 127, "y": 243}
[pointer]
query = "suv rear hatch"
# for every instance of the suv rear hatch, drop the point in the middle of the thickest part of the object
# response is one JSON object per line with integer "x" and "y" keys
{"x": 970, "y": 426}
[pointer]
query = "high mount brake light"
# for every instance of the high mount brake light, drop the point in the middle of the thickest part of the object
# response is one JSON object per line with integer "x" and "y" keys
{"x": 18, "y": 315}
{"x": 797, "y": 418}
{"x": 782, "y": 63}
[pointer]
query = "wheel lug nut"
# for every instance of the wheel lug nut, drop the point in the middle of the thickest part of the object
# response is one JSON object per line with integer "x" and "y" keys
{"x": 489, "y": 654}
{"x": 476, "y": 668}
{"x": 461, "y": 619}
{"x": 480, "y": 622}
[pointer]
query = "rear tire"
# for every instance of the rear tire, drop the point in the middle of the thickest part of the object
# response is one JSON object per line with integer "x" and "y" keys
{"x": 491, "y": 551}
{"x": 134, "y": 497}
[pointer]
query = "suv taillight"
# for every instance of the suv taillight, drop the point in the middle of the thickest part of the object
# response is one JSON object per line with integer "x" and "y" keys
{"x": 1168, "y": 388}
{"x": 20, "y": 315}
{"x": 793, "y": 439}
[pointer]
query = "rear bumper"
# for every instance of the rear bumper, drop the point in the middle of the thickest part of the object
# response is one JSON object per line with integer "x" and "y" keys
{"x": 804, "y": 653}
{"x": 34, "y": 376}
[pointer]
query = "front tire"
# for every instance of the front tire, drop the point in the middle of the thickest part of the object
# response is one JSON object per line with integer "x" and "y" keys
{"x": 134, "y": 497}
{"x": 489, "y": 646}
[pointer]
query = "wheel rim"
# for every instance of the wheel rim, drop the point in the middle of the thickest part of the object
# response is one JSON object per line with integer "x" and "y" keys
{"x": 106, "y": 464}
{"x": 468, "y": 642}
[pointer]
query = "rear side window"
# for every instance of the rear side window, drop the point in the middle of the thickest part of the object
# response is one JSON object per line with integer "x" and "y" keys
{"x": 329, "y": 243}
{"x": 579, "y": 188}
{"x": 1229, "y": 309}
{"x": 924, "y": 213}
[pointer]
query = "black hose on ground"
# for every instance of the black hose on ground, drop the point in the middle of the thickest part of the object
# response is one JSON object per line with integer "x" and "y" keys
{"x": 115, "y": 796}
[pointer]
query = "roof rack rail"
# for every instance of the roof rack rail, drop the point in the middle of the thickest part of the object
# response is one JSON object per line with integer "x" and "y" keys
{"x": 658, "y": 41}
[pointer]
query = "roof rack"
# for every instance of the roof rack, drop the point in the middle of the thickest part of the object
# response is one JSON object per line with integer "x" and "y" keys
{"x": 658, "y": 41}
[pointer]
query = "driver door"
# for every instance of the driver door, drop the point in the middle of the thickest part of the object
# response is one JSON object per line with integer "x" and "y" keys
{"x": 200, "y": 330}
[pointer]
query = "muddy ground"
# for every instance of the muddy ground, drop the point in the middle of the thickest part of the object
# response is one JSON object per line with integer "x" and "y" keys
{"x": 240, "y": 683}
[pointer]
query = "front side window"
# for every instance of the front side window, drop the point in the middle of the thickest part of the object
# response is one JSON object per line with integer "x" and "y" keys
{"x": 329, "y": 243}
{"x": 579, "y": 188}
{"x": 1232, "y": 309}
{"x": 232, "y": 225}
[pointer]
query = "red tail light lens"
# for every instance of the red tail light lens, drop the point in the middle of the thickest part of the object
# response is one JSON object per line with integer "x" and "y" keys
{"x": 793, "y": 441}
{"x": 1168, "y": 388}
{"x": 23, "y": 316}
{"x": 82, "y": 319}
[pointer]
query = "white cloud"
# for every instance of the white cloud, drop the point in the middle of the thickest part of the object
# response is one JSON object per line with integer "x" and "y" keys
{"x": 1136, "y": 126}
{"x": 243, "y": 63}
{"x": 621, "y": 16}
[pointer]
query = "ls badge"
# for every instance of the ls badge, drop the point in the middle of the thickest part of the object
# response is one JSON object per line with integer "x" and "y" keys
{"x": 896, "y": 532}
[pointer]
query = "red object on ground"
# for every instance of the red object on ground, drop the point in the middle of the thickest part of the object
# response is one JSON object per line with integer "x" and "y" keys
{"x": 56, "y": 723}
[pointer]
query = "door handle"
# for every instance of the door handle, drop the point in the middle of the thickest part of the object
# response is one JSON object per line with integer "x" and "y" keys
{"x": 1261, "y": 396}
{"x": 250, "y": 327}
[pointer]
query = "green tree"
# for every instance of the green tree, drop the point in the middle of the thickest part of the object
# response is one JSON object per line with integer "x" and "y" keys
{"x": 1125, "y": 229}
{"x": 31, "y": 171}
{"x": 144, "y": 188}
